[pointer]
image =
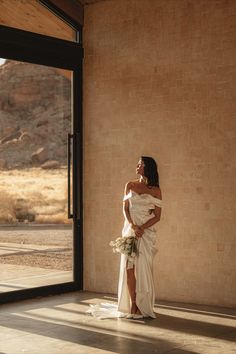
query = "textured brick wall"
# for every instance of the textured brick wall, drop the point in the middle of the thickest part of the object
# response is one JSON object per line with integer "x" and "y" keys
{"x": 159, "y": 80}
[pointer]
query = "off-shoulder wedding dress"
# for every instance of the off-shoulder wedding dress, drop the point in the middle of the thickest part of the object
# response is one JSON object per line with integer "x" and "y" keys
{"x": 140, "y": 206}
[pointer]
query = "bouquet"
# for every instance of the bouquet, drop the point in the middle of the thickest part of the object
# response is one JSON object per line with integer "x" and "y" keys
{"x": 126, "y": 246}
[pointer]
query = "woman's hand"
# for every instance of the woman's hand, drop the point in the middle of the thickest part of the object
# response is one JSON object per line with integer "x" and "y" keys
{"x": 138, "y": 230}
{"x": 139, "y": 233}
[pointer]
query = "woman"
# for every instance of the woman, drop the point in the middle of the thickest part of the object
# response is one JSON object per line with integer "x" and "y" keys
{"x": 142, "y": 209}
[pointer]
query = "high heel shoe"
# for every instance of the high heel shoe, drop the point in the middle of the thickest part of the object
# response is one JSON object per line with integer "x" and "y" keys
{"x": 132, "y": 311}
{"x": 137, "y": 316}
{"x": 130, "y": 315}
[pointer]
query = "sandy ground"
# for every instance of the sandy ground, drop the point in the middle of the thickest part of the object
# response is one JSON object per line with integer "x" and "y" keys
{"x": 41, "y": 194}
{"x": 47, "y": 246}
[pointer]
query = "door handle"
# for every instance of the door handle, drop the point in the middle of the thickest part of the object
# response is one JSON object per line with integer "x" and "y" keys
{"x": 70, "y": 138}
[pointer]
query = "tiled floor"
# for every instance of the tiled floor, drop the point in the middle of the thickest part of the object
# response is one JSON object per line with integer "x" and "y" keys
{"x": 60, "y": 325}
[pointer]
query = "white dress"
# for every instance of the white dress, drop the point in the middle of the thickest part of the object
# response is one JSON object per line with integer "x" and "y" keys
{"x": 139, "y": 208}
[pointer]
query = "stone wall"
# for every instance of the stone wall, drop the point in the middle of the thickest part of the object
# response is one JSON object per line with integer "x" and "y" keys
{"x": 159, "y": 79}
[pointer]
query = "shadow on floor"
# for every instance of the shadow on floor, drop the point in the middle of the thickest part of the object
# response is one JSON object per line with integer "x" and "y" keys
{"x": 113, "y": 340}
{"x": 224, "y": 312}
{"x": 88, "y": 326}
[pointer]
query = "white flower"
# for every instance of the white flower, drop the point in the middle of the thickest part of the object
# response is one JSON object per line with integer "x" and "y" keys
{"x": 126, "y": 246}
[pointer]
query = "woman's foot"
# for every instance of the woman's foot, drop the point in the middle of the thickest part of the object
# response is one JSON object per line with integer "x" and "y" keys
{"x": 135, "y": 313}
{"x": 134, "y": 308}
{"x": 129, "y": 316}
{"x": 137, "y": 316}
{"x": 138, "y": 312}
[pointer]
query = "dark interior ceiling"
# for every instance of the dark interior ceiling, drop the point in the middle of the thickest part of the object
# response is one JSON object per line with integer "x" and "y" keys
{"x": 86, "y": 2}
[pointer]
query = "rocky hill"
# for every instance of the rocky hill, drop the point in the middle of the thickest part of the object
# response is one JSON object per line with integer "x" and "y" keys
{"x": 35, "y": 116}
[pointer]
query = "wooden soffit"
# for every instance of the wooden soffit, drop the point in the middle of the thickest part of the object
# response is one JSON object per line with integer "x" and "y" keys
{"x": 73, "y": 10}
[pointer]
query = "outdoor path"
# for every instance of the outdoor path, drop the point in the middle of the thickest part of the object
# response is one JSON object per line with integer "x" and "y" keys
{"x": 34, "y": 255}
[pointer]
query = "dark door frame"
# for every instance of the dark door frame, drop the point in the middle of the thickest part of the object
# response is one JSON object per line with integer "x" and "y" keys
{"x": 34, "y": 48}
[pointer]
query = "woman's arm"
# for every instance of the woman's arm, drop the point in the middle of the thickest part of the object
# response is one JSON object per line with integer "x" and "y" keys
{"x": 137, "y": 230}
{"x": 126, "y": 204}
{"x": 154, "y": 220}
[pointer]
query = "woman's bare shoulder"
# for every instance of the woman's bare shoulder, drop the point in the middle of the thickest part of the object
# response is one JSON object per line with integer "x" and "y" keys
{"x": 135, "y": 182}
{"x": 130, "y": 185}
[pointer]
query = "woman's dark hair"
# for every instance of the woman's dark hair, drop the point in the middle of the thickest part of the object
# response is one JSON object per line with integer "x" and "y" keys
{"x": 150, "y": 171}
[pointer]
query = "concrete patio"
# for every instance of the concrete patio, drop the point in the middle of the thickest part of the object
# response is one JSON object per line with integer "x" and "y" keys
{"x": 52, "y": 243}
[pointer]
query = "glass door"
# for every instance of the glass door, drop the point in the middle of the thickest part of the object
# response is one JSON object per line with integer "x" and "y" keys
{"x": 40, "y": 165}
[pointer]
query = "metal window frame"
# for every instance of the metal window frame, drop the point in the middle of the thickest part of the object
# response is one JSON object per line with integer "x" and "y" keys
{"x": 35, "y": 48}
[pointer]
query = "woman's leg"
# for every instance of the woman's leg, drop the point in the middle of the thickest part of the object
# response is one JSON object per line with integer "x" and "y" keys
{"x": 131, "y": 282}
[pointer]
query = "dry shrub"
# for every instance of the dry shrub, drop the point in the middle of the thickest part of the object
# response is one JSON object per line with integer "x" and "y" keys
{"x": 41, "y": 194}
{"x": 7, "y": 207}
{"x": 60, "y": 218}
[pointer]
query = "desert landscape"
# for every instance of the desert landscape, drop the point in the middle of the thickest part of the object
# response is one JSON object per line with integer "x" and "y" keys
{"x": 33, "y": 195}
{"x": 34, "y": 203}
{"x": 35, "y": 118}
